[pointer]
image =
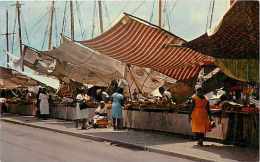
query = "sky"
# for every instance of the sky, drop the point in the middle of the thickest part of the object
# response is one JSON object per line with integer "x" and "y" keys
{"x": 185, "y": 18}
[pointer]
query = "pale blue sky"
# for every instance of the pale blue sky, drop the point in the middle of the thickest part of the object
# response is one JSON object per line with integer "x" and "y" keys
{"x": 187, "y": 18}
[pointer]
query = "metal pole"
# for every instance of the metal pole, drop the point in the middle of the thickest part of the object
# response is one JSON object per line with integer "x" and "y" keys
{"x": 100, "y": 16}
{"x": 18, "y": 5}
{"x": 50, "y": 26}
{"x": 71, "y": 20}
{"x": 7, "y": 39}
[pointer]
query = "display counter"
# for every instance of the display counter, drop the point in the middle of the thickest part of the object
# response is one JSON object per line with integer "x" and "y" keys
{"x": 22, "y": 108}
{"x": 228, "y": 125}
{"x": 67, "y": 112}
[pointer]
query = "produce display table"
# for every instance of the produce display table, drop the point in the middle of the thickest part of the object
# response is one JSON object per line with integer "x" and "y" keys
{"x": 243, "y": 128}
{"x": 170, "y": 121}
{"x": 67, "y": 112}
{"x": 231, "y": 127}
{"x": 22, "y": 108}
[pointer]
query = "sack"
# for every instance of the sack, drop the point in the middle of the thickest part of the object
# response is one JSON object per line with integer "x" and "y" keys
{"x": 82, "y": 104}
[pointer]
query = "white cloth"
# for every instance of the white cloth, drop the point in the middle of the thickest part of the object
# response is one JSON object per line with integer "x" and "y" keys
{"x": 101, "y": 111}
{"x": 80, "y": 114}
{"x": 167, "y": 94}
{"x": 2, "y": 100}
{"x": 84, "y": 114}
{"x": 79, "y": 97}
{"x": 77, "y": 112}
{"x": 44, "y": 104}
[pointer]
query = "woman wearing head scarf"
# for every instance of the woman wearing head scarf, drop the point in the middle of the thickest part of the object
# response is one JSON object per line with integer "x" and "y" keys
{"x": 117, "y": 107}
{"x": 44, "y": 104}
{"x": 200, "y": 115}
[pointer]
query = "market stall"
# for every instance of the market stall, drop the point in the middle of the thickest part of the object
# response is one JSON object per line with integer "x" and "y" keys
{"x": 14, "y": 88}
{"x": 234, "y": 106}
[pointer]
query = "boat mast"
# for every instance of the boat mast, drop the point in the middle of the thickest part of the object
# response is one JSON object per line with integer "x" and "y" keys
{"x": 50, "y": 26}
{"x": 71, "y": 21}
{"x": 18, "y": 5}
{"x": 7, "y": 39}
{"x": 160, "y": 13}
{"x": 100, "y": 16}
{"x": 212, "y": 12}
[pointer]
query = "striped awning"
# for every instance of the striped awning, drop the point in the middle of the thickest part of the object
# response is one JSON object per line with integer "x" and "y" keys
{"x": 137, "y": 42}
{"x": 235, "y": 36}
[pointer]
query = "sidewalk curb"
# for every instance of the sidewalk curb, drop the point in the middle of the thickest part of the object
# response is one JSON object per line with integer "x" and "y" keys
{"x": 113, "y": 142}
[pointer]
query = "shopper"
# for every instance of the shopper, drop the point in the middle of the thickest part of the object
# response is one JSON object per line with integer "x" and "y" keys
{"x": 117, "y": 108}
{"x": 200, "y": 116}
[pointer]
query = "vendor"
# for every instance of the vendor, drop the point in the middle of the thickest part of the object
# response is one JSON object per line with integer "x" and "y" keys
{"x": 101, "y": 114}
{"x": 29, "y": 96}
{"x": 44, "y": 104}
{"x": 200, "y": 116}
{"x": 101, "y": 110}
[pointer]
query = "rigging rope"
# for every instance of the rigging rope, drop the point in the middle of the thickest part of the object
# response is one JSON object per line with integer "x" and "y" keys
{"x": 39, "y": 20}
{"x": 94, "y": 24}
{"x": 45, "y": 36}
{"x": 64, "y": 18}
{"x": 212, "y": 11}
{"x": 151, "y": 17}
{"x": 56, "y": 28}
{"x": 210, "y": 6}
{"x": 79, "y": 16}
{"x": 107, "y": 13}
{"x": 135, "y": 10}
{"x": 120, "y": 12}
{"x": 164, "y": 13}
{"x": 14, "y": 29}
{"x": 171, "y": 16}
{"x": 25, "y": 29}
{"x": 168, "y": 18}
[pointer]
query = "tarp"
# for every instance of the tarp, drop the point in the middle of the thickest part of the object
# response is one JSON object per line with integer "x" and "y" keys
{"x": 236, "y": 35}
{"x": 137, "y": 42}
{"x": 145, "y": 80}
{"x": 245, "y": 70}
{"x": 79, "y": 63}
{"x": 84, "y": 65}
{"x": 12, "y": 79}
{"x": 38, "y": 61}
{"x": 234, "y": 42}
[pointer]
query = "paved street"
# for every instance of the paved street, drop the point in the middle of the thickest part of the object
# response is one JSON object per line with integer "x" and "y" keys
{"x": 21, "y": 143}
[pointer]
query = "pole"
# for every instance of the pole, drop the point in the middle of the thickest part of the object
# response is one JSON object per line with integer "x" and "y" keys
{"x": 18, "y": 5}
{"x": 160, "y": 13}
{"x": 50, "y": 26}
{"x": 71, "y": 21}
{"x": 7, "y": 39}
{"x": 212, "y": 12}
{"x": 100, "y": 16}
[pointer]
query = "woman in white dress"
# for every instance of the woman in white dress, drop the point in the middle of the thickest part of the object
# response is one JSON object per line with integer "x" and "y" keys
{"x": 81, "y": 112}
{"x": 44, "y": 104}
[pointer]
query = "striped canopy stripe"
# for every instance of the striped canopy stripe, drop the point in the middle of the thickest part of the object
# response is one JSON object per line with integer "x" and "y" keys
{"x": 139, "y": 43}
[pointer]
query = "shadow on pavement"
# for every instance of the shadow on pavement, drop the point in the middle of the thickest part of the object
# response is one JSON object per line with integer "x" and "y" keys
{"x": 245, "y": 154}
